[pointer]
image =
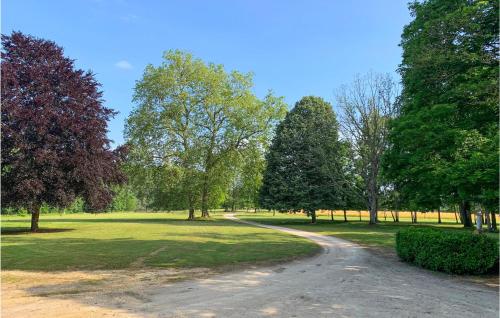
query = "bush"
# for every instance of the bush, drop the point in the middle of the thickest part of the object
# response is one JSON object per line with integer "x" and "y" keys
{"x": 456, "y": 252}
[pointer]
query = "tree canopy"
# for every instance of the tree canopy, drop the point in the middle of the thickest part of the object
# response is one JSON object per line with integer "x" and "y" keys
{"x": 444, "y": 143}
{"x": 54, "y": 124}
{"x": 196, "y": 119}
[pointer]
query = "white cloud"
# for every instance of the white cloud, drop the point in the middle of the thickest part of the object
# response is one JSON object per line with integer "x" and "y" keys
{"x": 129, "y": 18}
{"x": 124, "y": 65}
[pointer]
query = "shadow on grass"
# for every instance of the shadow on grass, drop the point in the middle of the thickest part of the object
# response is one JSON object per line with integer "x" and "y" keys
{"x": 190, "y": 250}
{"x": 166, "y": 220}
{"x": 24, "y": 230}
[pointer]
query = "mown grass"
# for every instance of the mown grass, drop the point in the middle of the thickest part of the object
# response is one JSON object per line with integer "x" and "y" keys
{"x": 381, "y": 235}
{"x": 131, "y": 240}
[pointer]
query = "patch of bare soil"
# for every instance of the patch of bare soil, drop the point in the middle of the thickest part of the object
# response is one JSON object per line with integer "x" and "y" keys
{"x": 84, "y": 293}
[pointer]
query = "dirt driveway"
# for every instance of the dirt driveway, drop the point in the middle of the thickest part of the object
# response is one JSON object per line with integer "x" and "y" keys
{"x": 343, "y": 281}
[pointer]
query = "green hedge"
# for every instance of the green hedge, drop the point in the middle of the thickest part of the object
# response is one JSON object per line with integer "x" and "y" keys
{"x": 456, "y": 252}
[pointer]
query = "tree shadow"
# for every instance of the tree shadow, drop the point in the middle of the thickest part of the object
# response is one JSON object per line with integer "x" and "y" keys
{"x": 207, "y": 249}
{"x": 27, "y": 230}
{"x": 166, "y": 220}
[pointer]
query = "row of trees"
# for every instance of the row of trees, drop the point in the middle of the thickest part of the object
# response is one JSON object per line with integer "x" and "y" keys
{"x": 199, "y": 138}
{"x": 315, "y": 162}
{"x": 432, "y": 145}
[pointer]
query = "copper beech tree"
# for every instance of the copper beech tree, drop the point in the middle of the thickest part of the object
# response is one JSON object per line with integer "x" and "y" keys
{"x": 54, "y": 144}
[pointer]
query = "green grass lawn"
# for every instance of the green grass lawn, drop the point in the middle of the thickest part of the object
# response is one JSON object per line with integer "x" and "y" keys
{"x": 127, "y": 240}
{"x": 379, "y": 235}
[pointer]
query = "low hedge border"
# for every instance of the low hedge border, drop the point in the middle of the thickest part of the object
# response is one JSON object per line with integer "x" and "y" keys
{"x": 455, "y": 252}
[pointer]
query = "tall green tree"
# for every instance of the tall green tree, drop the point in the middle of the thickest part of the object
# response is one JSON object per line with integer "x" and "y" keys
{"x": 196, "y": 118}
{"x": 444, "y": 143}
{"x": 303, "y": 164}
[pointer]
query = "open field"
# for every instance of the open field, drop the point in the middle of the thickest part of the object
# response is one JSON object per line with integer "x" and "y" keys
{"x": 380, "y": 235}
{"x": 431, "y": 217}
{"x": 135, "y": 240}
{"x": 148, "y": 265}
{"x": 344, "y": 280}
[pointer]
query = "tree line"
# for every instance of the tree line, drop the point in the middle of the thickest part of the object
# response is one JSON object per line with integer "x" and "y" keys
{"x": 199, "y": 138}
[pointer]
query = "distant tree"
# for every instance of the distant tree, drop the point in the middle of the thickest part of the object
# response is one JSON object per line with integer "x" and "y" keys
{"x": 303, "y": 164}
{"x": 444, "y": 143}
{"x": 124, "y": 199}
{"x": 351, "y": 190}
{"x": 54, "y": 144}
{"x": 196, "y": 117}
{"x": 247, "y": 179}
{"x": 365, "y": 109}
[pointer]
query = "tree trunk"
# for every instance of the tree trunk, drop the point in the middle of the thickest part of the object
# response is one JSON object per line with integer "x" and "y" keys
{"x": 373, "y": 215}
{"x": 464, "y": 214}
{"x": 493, "y": 222}
{"x": 397, "y": 215}
{"x": 345, "y": 215}
{"x": 191, "y": 207}
{"x": 393, "y": 218}
{"x": 313, "y": 216}
{"x": 274, "y": 212}
{"x": 331, "y": 215}
{"x": 456, "y": 217}
{"x": 416, "y": 216}
{"x": 439, "y": 215}
{"x": 191, "y": 214}
{"x": 359, "y": 215}
{"x": 35, "y": 216}
{"x": 204, "y": 200}
{"x": 487, "y": 219}
{"x": 373, "y": 191}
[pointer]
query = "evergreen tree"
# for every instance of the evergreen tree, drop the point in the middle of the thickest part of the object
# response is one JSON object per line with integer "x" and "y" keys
{"x": 303, "y": 164}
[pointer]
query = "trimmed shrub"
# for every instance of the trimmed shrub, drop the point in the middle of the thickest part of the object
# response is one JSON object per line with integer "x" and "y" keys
{"x": 456, "y": 252}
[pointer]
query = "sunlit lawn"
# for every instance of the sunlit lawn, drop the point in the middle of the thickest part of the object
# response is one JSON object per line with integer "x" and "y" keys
{"x": 124, "y": 240}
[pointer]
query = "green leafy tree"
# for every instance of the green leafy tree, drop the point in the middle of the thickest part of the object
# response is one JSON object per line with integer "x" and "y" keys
{"x": 303, "y": 164}
{"x": 444, "y": 143}
{"x": 124, "y": 199}
{"x": 197, "y": 118}
{"x": 247, "y": 179}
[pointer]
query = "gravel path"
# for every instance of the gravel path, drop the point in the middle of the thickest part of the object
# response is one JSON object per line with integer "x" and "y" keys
{"x": 343, "y": 281}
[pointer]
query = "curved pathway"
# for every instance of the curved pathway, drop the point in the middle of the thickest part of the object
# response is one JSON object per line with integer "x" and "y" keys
{"x": 343, "y": 281}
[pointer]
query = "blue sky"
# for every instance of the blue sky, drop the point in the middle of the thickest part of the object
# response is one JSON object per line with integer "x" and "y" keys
{"x": 295, "y": 48}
